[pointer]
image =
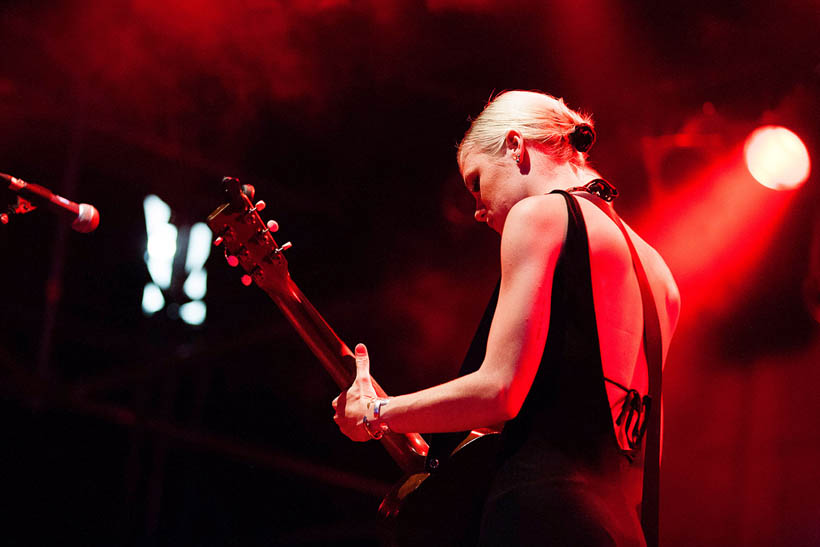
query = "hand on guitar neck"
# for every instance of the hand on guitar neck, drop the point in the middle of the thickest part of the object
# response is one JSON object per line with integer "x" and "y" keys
{"x": 356, "y": 404}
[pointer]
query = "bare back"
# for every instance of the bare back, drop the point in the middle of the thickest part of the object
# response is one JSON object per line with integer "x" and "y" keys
{"x": 618, "y": 308}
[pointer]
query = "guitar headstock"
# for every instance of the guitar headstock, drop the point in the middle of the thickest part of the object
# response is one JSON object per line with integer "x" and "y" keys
{"x": 247, "y": 240}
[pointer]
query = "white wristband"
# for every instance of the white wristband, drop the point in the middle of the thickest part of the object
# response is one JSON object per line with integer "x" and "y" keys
{"x": 377, "y": 427}
{"x": 377, "y": 408}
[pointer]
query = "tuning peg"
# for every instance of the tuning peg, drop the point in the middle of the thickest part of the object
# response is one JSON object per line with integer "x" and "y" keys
{"x": 273, "y": 226}
{"x": 284, "y": 247}
{"x": 246, "y": 280}
{"x": 233, "y": 261}
{"x": 226, "y": 232}
{"x": 4, "y": 219}
{"x": 248, "y": 190}
{"x": 260, "y": 205}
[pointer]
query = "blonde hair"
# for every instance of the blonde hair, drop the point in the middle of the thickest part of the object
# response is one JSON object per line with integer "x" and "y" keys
{"x": 539, "y": 117}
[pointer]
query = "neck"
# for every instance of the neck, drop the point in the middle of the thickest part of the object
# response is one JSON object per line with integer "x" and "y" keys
{"x": 547, "y": 176}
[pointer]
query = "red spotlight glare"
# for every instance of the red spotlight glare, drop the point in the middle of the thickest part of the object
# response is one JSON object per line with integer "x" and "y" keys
{"x": 777, "y": 158}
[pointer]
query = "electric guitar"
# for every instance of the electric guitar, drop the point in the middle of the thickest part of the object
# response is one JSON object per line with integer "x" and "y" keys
{"x": 424, "y": 508}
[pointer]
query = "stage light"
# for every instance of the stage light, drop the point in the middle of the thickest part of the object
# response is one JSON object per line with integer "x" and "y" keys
{"x": 777, "y": 158}
{"x": 152, "y": 299}
{"x": 196, "y": 285}
{"x": 162, "y": 241}
{"x": 193, "y": 313}
{"x": 161, "y": 250}
{"x": 199, "y": 247}
{"x": 157, "y": 212}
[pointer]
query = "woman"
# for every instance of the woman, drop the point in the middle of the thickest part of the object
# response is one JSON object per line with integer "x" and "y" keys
{"x": 565, "y": 365}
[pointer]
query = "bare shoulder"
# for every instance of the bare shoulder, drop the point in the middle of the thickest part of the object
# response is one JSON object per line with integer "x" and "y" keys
{"x": 534, "y": 231}
{"x": 655, "y": 263}
{"x": 606, "y": 239}
{"x": 659, "y": 275}
{"x": 537, "y": 216}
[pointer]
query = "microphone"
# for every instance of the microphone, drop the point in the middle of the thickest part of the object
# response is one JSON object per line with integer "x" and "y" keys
{"x": 86, "y": 217}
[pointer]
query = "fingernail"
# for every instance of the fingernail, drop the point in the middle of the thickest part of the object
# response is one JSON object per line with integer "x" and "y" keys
{"x": 360, "y": 349}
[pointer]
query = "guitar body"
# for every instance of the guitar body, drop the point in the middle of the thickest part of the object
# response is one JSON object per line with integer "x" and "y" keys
{"x": 444, "y": 508}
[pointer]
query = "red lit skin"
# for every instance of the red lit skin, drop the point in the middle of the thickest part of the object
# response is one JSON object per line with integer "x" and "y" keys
{"x": 512, "y": 201}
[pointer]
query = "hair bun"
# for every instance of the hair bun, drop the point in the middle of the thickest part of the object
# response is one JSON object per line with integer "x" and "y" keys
{"x": 582, "y": 137}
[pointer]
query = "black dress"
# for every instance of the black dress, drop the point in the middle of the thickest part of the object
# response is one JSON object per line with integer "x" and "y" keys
{"x": 562, "y": 477}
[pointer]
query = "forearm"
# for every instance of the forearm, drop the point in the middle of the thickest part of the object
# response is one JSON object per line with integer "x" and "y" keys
{"x": 471, "y": 401}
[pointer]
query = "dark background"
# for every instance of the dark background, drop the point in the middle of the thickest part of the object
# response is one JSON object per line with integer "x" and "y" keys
{"x": 122, "y": 429}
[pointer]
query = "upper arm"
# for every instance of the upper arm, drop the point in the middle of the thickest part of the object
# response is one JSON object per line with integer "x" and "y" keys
{"x": 533, "y": 236}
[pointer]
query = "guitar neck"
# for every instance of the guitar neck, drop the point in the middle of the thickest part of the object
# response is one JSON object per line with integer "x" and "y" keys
{"x": 240, "y": 229}
{"x": 407, "y": 449}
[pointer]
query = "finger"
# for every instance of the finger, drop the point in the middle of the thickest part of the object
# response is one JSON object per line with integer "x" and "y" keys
{"x": 335, "y": 402}
{"x": 362, "y": 366}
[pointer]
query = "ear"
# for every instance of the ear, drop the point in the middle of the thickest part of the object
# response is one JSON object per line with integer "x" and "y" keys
{"x": 514, "y": 142}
